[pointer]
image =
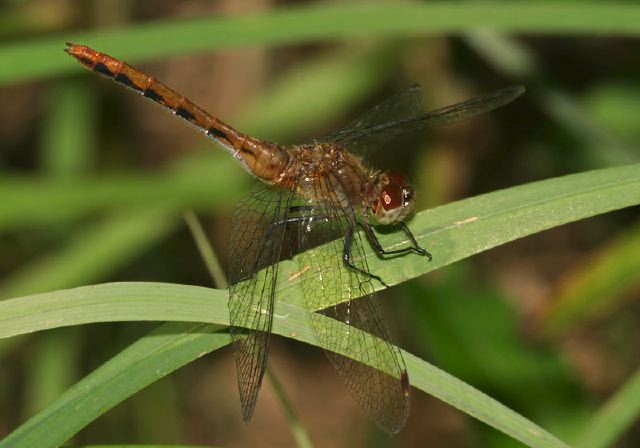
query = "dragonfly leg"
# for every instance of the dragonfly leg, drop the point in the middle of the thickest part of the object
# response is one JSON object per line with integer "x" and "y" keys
{"x": 309, "y": 217}
{"x": 289, "y": 220}
{"x": 297, "y": 209}
{"x": 415, "y": 247}
{"x": 266, "y": 240}
{"x": 300, "y": 208}
{"x": 347, "y": 257}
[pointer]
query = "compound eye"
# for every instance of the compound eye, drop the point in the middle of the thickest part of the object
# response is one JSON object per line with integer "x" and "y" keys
{"x": 392, "y": 197}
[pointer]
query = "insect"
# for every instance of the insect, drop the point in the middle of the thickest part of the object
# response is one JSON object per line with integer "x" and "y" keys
{"x": 319, "y": 195}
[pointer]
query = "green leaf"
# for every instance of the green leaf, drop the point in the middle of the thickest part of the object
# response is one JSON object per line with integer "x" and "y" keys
{"x": 94, "y": 252}
{"x": 189, "y": 184}
{"x": 513, "y": 58}
{"x": 320, "y": 23}
{"x": 597, "y": 287}
{"x": 68, "y": 131}
{"x": 474, "y": 333}
{"x": 463, "y": 228}
{"x": 451, "y": 232}
{"x": 616, "y": 416}
{"x": 173, "y": 345}
{"x": 149, "y": 359}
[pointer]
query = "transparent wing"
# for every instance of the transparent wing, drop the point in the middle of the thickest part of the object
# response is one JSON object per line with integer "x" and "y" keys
{"x": 256, "y": 241}
{"x": 403, "y": 106}
{"x": 380, "y": 122}
{"x": 379, "y": 384}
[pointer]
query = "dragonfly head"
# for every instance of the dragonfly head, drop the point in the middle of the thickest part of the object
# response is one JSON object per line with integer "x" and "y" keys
{"x": 396, "y": 199}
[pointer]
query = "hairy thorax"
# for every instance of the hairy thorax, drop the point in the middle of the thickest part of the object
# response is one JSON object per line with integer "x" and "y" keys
{"x": 327, "y": 173}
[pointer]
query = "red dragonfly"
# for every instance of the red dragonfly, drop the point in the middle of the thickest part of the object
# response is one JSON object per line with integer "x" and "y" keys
{"x": 317, "y": 195}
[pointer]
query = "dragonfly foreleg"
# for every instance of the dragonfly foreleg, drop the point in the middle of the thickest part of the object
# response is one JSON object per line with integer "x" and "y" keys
{"x": 415, "y": 247}
{"x": 347, "y": 257}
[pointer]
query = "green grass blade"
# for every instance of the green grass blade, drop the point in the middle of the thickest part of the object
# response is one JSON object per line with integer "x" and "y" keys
{"x": 149, "y": 359}
{"x": 298, "y": 431}
{"x": 69, "y": 132}
{"x": 320, "y": 23}
{"x": 455, "y": 231}
{"x": 463, "y": 228}
{"x": 173, "y": 345}
{"x": 93, "y": 252}
{"x": 209, "y": 257}
{"x": 616, "y": 416}
{"x": 22, "y": 198}
{"x": 53, "y": 368}
{"x": 596, "y": 288}
{"x": 512, "y": 58}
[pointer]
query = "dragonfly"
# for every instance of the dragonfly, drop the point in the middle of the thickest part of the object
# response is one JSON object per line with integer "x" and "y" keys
{"x": 321, "y": 202}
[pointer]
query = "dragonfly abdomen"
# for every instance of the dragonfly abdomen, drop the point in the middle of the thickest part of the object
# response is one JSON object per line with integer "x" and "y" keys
{"x": 263, "y": 159}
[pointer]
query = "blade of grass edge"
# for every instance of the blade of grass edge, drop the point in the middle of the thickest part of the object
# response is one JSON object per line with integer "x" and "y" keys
{"x": 178, "y": 343}
{"x": 314, "y": 23}
{"x": 584, "y": 194}
{"x": 614, "y": 417}
{"x": 596, "y": 287}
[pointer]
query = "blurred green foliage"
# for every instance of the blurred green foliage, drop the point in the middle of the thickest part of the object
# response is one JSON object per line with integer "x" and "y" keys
{"x": 94, "y": 183}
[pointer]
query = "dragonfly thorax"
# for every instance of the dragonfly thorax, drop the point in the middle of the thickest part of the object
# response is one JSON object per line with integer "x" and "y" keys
{"x": 395, "y": 200}
{"x": 327, "y": 173}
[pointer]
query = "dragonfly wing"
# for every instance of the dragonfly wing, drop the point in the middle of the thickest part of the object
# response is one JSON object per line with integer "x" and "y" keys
{"x": 402, "y": 106}
{"x": 341, "y": 302}
{"x": 256, "y": 241}
{"x": 368, "y": 129}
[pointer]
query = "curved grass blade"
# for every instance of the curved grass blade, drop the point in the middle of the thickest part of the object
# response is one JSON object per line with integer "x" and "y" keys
{"x": 173, "y": 345}
{"x": 617, "y": 415}
{"x": 595, "y": 288}
{"x": 452, "y": 232}
{"x": 144, "y": 362}
{"x": 463, "y": 228}
{"x": 321, "y": 22}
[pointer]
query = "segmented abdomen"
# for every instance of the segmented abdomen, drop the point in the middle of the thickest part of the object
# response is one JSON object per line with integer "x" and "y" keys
{"x": 264, "y": 159}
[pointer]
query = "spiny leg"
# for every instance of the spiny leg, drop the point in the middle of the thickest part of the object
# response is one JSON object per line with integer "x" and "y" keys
{"x": 347, "y": 257}
{"x": 415, "y": 247}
